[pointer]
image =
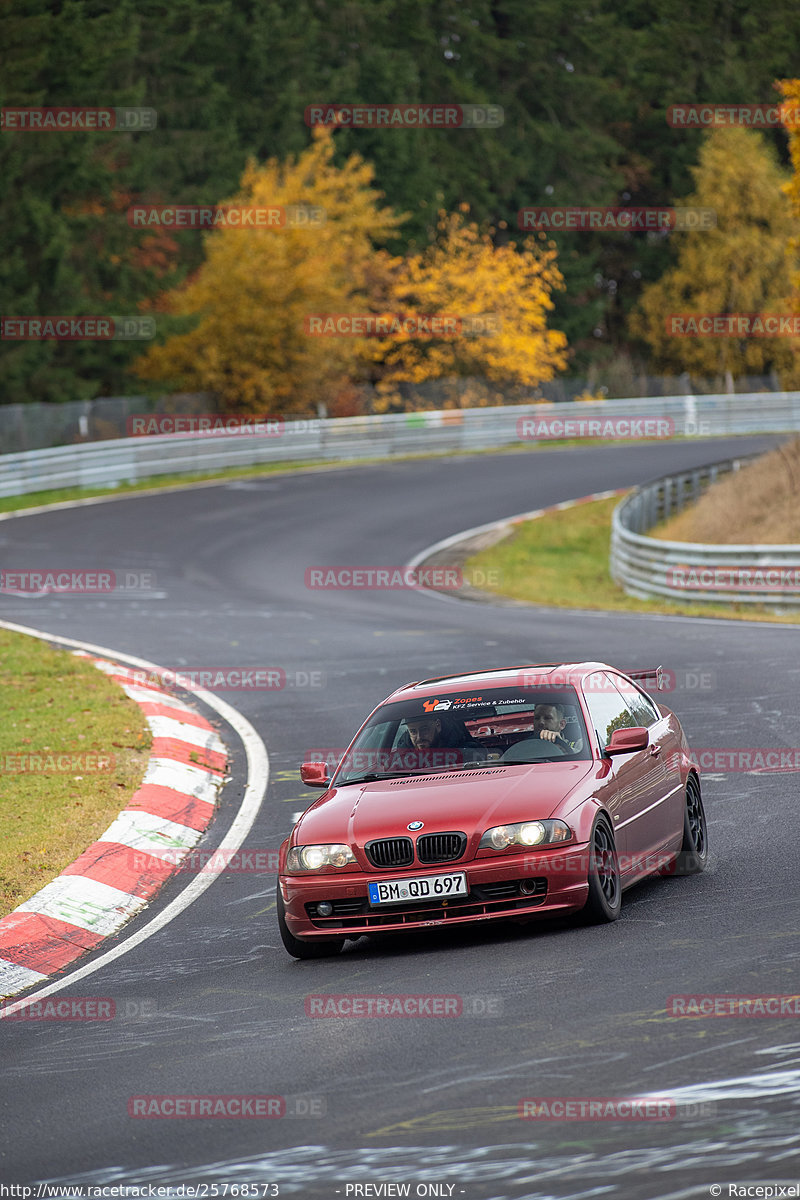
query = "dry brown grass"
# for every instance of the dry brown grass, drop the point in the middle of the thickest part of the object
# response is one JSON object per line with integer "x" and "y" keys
{"x": 760, "y": 503}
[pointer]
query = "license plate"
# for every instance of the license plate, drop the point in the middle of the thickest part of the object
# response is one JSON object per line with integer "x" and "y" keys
{"x": 425, "y": 887}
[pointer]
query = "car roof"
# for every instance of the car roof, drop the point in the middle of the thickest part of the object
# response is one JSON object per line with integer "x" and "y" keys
{"x": 561, "y": 674}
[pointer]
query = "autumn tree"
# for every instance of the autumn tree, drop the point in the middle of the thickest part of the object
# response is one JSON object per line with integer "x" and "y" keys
{"x": 498, "y": 298}
{"x": 743, "y": 265}
{"x": 258, "y": 287}
{"x": 790, "y": 89}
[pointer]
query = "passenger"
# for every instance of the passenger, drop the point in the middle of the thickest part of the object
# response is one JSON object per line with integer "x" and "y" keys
{"x": 432, "y": 733}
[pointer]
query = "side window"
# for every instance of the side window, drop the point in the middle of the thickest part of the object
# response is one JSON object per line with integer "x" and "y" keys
{"x": 607, "y": 707}
{"x": 644, "y": 711}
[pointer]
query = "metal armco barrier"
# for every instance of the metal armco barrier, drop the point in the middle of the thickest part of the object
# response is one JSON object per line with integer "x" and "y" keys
{"x": 692, "y": 571}
{"x": 130, "y": 460}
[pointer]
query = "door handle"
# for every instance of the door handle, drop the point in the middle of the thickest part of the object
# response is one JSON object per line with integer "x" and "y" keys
{"x": 655, "y": 748}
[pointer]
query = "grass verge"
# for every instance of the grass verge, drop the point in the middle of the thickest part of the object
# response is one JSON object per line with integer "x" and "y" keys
{"x": 60, "y": 710}
{"x": 561, "y": 560}
{"x": 760, "y": 504}
{"x": 154, "y": 483}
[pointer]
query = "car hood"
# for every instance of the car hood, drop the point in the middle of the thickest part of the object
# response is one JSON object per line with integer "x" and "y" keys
{"x": 470, "y": 801}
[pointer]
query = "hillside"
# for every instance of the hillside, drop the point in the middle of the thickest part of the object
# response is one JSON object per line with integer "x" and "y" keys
{"x": 760, "y": 503}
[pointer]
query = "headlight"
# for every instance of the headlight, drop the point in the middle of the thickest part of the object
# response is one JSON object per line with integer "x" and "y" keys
{"x": 525, "y": 833}
{"x": 319, "y": 858}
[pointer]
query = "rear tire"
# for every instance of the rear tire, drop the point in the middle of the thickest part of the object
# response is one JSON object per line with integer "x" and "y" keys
{"x": 604, "y": 901}
{"x": 693, "y": 855}
{"x": 298, "y": 948}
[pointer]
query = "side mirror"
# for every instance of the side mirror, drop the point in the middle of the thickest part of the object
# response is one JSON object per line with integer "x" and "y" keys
{"x": 625, "y": 741}
{"x": 315, "y": 774}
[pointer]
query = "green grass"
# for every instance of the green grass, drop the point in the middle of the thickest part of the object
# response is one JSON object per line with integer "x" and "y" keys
{"x": 561, "y": 560}
{"x": 57, "y": 704}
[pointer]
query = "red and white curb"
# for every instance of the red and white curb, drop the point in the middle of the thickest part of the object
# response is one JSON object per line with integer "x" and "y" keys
{"x": 99, "y": 892}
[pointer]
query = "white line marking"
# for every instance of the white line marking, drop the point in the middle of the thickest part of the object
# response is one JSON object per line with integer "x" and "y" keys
{"x": 257, "y": 779}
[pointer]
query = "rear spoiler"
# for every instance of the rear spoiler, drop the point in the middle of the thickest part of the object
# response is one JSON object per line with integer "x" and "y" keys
{"x": 649, "y": 677}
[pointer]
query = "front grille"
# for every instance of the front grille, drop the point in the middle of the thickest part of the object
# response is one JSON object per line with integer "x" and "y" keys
{"x": 441, "y": 847}
{"x": 487, "y": 899}
{"x": 390, "y": 852}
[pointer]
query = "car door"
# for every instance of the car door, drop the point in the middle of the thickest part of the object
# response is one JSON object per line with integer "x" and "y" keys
{"x": 665, "y": 746}
{"x": 638, "y": 778}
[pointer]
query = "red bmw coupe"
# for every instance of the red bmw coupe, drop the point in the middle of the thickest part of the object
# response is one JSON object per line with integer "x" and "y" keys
{"x": 516, "y": 793}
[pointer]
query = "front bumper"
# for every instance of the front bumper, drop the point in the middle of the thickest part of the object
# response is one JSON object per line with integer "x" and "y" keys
{"x": 536, "y": 883}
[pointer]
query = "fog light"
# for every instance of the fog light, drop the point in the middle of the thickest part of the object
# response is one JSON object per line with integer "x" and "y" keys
{"x": 527, "y": 887}
{"x": 325, "y": 908}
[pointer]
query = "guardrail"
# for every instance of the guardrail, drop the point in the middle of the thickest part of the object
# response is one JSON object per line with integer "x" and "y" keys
{"x": 130, "y": 460}
{"x": 693, "y": 571}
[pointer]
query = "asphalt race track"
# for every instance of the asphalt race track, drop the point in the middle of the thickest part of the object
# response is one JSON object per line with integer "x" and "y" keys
{"x": 216, "y": 1006}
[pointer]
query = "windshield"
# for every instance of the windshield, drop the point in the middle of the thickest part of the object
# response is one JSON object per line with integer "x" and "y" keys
{"x": 491, "y": 727}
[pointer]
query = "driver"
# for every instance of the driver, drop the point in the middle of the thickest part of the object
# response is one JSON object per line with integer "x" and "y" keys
{"x": 425, "y": 733}
{"x": 548, "y": 722}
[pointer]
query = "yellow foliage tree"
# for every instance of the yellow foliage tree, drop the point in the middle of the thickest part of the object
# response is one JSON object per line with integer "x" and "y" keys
{"x": 465, "y": 275}
{"x": 258, "y": 286}
{"x": 743, "y": 265}
{"x": 790, "y": 89}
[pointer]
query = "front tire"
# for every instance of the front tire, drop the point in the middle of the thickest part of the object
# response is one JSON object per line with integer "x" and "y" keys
{"x": 298, "y": 948}
{"x": 693, "y": 854}
{"x": 604, "y": 901}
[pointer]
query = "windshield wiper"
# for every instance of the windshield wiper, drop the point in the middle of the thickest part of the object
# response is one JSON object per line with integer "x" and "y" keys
{"x": 370, "y": 777}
